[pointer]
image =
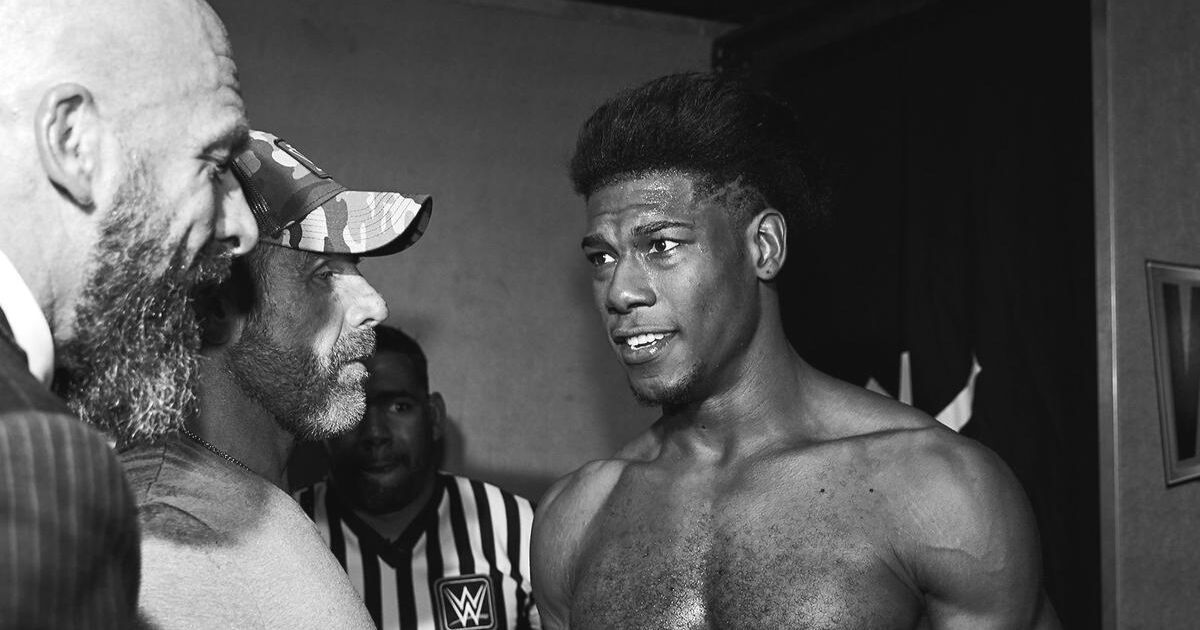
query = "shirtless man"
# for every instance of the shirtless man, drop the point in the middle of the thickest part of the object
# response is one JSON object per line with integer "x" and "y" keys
{"x": 769, "y": 495}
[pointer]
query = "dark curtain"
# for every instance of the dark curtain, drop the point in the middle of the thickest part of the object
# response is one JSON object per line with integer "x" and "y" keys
{"x": 956, "y": 142}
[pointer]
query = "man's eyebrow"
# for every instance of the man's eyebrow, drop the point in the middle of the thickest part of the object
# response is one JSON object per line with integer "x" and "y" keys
{"x": 593, "y": 241}
{"x": 241, "y": 138}
{"x": 309, "y": 262}
{"x": 657, "y": 226}
{"x": 393, "y": 393}
{"x": 234, "y": 139}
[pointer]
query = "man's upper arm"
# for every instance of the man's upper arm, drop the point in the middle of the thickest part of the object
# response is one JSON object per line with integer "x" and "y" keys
{"x": 187, "y": 585}
{"x": 559, "y": 528}
{"x": 974, "y": 543}
{"x": 549, "y": 567}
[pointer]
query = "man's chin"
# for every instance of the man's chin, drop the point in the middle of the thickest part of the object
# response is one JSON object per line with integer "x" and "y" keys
{"x": 385, "y": 495}
{"x": 384, "y": 477}
{"x": 131, "y": 367}
{"x": 353, "y": 375}
{"x": 659, "y": 392}
{"x": 343, "y": 411}
{"x": 332, "y": 426}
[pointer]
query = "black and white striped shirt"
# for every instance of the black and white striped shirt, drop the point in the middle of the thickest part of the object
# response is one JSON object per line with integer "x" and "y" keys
{"x": 462, "y": 564}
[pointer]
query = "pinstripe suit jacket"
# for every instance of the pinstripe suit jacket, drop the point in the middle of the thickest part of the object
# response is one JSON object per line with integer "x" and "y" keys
{"x": 69, "y": 555}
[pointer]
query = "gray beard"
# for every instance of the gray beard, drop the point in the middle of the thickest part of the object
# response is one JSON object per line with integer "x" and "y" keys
{"x": 131, "y": 368}
{"x": 305, "y": 397}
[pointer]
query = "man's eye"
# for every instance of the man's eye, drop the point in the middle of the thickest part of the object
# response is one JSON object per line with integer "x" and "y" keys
{"x": 401, "y": 407}
{"x": 600, "y": 258}
{"x": 218, "y": 170}
{"x": 662, "y": 245}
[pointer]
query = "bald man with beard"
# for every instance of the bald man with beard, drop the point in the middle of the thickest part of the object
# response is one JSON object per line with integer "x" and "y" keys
{"x": 118, "y": 120}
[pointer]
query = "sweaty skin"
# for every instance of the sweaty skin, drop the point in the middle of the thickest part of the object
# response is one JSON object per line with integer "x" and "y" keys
{"x": 770, "y": 495}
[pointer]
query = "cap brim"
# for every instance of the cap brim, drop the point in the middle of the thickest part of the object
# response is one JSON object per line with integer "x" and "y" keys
{"x": 375, "y": 224}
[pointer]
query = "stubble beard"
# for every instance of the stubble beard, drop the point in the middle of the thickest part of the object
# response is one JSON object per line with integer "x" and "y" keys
{"x": 131, "y": 368}
{"x": 679, "y": 392}
{"x": 305, "y": 395}
{"x": 375, "y": 498}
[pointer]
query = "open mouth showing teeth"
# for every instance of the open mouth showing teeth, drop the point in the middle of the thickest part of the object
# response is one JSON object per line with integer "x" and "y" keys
{"x": 637, "y": 342}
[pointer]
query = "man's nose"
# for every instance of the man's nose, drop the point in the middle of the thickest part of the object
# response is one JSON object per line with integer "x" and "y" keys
{"x": 234, "y": 225}
{"x": 367, "y": 307}
{"x": 628, "y": 288}
{"x": 374, "y": 430}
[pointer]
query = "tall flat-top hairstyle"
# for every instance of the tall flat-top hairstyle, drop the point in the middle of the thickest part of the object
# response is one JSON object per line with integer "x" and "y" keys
{"x": 717, "y": 129}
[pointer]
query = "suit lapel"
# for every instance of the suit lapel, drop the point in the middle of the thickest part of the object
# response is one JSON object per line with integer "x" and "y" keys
{"x": 8, "y": 339}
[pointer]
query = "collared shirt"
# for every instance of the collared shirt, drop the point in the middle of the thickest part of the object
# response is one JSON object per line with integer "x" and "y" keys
{"x": 462, "y": 564}
{"x": 28, "y": 323}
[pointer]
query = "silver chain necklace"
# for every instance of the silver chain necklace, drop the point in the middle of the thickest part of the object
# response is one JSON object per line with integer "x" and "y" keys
{"x": 202, "y": 442}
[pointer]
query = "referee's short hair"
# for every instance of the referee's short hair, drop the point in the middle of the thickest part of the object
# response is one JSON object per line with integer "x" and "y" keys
{"x": 392, "y": 339}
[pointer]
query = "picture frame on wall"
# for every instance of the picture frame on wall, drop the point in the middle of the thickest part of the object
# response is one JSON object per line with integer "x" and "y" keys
{"x": 1175, "y": 327}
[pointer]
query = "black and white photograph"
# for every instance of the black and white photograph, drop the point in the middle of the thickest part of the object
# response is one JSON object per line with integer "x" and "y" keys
{"x": 599, "y": 314}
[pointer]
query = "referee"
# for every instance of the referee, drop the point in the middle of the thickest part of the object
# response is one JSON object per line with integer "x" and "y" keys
{"x": 426, "y": 550}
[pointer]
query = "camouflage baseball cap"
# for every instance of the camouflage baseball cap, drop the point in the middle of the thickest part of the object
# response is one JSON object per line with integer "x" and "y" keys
{"x": 298, "y": 205}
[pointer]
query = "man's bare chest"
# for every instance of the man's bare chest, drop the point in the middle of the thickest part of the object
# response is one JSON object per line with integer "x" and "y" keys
{"x": 758, "y": 556}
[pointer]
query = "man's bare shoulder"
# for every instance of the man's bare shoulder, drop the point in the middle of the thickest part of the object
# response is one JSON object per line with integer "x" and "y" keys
{"x": 960, "y": 490}
{"x": 579, "y": 494}
{"x": 949, "y": 508}
{"x": 972, "y": 538}
{"x": 928, "y": 466}
{"x": 587, "y": 484}
{"x": 960, "y": 525}
{"x": 932, "y": 479}
{"x": 936, "y": 470}
{"x": 561, "y": 524}
{"x": 852, "y": 411}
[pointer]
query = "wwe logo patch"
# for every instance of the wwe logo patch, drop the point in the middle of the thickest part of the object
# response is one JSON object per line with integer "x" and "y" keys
{"x": 465, "y": 603}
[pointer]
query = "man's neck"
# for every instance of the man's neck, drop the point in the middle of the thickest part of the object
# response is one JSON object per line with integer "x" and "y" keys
{"x": 390, "y": 525}
{"x": 25, "y": 321}
{"x": 51, "y": 261}
{"x": 239, "y": 426}
{"x": 752, "y": 403}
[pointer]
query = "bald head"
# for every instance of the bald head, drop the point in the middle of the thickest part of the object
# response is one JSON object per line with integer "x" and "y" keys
{"x": 118, "y": 122}
{"x": 130, "y": 54}
{"x": 91, "y": 91}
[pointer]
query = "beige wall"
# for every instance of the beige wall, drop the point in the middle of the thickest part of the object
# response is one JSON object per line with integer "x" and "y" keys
{"x": 478, "y": 103}
{"x": 1148, "y": 192}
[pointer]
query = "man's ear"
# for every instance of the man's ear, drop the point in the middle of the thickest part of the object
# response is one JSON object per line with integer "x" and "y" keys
{"x": 67, "y": 140}
{"x": 437, "y": 408}
{"x": 767, "y": 234}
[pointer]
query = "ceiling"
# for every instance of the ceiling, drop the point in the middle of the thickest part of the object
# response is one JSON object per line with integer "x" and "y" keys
{"x": 732, "y": 11}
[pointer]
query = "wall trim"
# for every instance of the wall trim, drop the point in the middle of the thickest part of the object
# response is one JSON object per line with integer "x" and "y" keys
{"x": 622, "y": 16}
{"x": 1106, "y": 320}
